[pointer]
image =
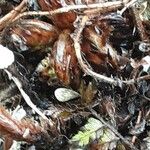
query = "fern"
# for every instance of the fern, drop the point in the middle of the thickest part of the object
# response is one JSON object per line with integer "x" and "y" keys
{"x": 94, "y": 129}
{"x": 90, "y": 131}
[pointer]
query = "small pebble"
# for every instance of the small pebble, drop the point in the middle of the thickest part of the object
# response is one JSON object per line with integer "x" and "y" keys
{"x": 64, "y": 94}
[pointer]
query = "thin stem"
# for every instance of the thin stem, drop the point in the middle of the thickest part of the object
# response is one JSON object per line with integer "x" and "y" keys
{"x": 129, "y": 4}
{"x": 100, "y": 6}
{"x": 85, "y": 67}
{"x": 113, "y": 130}
{"x": 137, "y": 123}
{"x": 27, "y": 98}
{"x": 12, "y": 14}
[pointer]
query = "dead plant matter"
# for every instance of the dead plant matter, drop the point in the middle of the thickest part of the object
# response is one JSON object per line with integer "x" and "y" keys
{"x": 79, "y": 72}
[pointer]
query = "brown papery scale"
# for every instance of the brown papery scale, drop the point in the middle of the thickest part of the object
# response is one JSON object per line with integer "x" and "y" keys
{"x": 30, "y": 34}
{"x": 98, "y": 34}
{"x": 65, "y": 61}
{"x": 91, "y": 53}
{"x": 99, "y": 52}
{"x": 63, "y": 20}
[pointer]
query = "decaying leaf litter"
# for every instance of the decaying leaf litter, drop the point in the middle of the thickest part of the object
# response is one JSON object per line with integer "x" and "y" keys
{"x": 75, "y": 74}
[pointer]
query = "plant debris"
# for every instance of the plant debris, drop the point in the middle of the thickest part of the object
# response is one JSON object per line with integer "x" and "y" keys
{"x": 75, "y": 74}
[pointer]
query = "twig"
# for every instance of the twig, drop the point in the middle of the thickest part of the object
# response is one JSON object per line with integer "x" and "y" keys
{"x": 127, "y": 6}
{"x": 73, "y": 7}
{"x": 12, "y": 14}
{"x": 97, "y": 11}
{"x": 85, "y": 67}
{"x": 137, "y": 122}
{"x": 131, "y": 81}
{"x": 113, "y": 130}
{"x": 79, "y": 57}
{"x": 20, "y": 130}
{"x": 27, "y": 98}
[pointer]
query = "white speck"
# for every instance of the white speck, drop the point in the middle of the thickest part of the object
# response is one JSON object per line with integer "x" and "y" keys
{"x": 78, "y": 2}
{"x": 147, "y": 59}
{"x": 15, "y": 146}
{"x": 19, "y": 113}
{"x": 60, "y": 51}
{"x": 26, "y": 133}
{"x": 19, "y": 42}
{"x": 146, "y": 66}
{"x": 6, "y": 57}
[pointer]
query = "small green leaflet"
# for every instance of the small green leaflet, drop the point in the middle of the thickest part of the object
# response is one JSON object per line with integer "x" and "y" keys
{"x": 92, "y": 130}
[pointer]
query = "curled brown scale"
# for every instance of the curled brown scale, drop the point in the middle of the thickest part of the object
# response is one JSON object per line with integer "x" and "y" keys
{"x": 30, "y": 34}
{"x": 61, "y": 62}
{"x": 84, "y": 58}
{"x": 64, "y": 20}
{"x": 65, "y": 61}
